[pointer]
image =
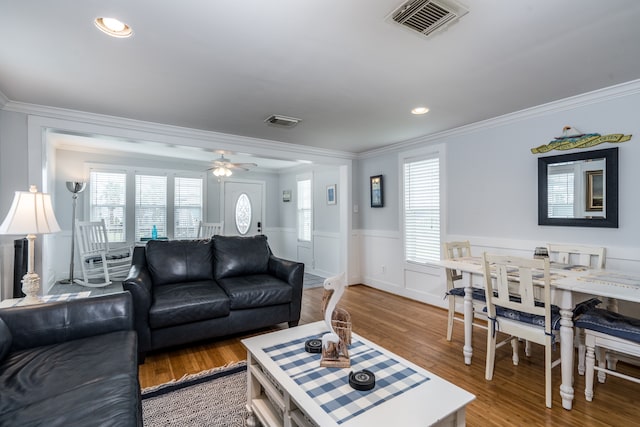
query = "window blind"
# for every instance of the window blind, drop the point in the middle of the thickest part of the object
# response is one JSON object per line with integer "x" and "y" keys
{"x": 187, "y": 207}
{"x": 107, "y": 200}
{"x": 560, "y": 194}
{"x": 304, "y": 210}
{"x": 151, "y": 205}
{"x": 422, "y": 210}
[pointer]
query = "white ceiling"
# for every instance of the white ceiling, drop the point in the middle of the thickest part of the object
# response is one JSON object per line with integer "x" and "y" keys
{"x": 339, "y": 65}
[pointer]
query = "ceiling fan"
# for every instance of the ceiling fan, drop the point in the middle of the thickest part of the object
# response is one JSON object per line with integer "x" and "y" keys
{"x": 224, "y": 167}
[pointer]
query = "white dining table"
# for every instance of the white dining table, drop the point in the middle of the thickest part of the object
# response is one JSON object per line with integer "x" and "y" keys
{"x": 568, "y": 282}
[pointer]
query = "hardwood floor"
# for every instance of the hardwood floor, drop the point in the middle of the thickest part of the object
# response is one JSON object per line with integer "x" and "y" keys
{"x": 416, "y": 331}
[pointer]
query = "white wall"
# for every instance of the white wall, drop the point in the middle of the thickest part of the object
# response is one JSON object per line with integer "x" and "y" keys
{"x": 491, "y": 191}
{"x": 326, "y": 219}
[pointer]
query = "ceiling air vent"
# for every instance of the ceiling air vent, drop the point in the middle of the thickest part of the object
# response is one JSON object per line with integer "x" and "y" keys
{"x": 282, "y": 121}
{"x": 426, "y": 16}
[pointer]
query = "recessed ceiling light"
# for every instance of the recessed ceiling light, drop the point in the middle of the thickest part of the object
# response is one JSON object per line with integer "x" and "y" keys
{"x": 113, "y": 27}
{"x": 420, "y": 110}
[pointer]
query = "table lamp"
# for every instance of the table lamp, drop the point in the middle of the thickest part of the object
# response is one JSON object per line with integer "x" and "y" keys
{"x": 31, "y": 213}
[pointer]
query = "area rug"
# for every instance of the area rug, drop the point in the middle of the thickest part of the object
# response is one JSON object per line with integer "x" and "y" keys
{"x": 210, "y": 398}
{"x": 312, "y": 281}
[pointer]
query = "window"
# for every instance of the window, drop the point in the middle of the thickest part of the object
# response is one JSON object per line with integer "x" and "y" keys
{"x": 151, "y": 205}
{"x": 422, "y": 209}
{"x": 108, "y": 201}
{"x": 187, "y": 207}
{"x": 560, "y": 187}
{"x": 304, "y": 210}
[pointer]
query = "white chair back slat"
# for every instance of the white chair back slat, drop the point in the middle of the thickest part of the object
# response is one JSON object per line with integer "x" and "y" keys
{"x": 206, "y": 230}
{"x": 590, "y": 256}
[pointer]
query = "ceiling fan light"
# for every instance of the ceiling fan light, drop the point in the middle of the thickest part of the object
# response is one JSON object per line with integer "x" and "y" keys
{"x": 222, "y": 171}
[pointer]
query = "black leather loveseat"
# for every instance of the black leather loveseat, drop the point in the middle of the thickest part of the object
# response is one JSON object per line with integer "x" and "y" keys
{"x": 190, "y": 290}
{"x": 70, "y": 363}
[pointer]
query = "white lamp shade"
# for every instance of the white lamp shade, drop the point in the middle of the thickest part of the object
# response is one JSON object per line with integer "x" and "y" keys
{"x": 30, "y": 213}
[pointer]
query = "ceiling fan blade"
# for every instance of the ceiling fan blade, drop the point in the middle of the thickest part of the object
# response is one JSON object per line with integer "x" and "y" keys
{"x": 243, "y": 165}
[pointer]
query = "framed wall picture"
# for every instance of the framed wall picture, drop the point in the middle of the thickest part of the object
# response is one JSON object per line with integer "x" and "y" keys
{"x": 286, "y": 195}
{"x": 377, "y": 195}
{"x": 331, "y": 194}
{"x": 595, "y": 191}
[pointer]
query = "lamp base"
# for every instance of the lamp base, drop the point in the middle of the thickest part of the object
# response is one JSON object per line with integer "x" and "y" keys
{"x": 30, "y": 287}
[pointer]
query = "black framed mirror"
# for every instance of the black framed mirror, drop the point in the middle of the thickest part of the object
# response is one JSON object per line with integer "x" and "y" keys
{"x": 579, "y": 189}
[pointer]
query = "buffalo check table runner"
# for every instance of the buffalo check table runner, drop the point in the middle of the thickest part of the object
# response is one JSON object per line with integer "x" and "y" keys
{"x": 330, "y": 388}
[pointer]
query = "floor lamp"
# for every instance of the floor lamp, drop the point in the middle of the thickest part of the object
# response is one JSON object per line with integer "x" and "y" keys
{"x": 75, "y": 188}
{"x": 30, "y": 213}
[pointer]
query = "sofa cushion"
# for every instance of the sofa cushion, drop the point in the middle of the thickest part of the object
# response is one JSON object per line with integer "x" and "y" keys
{"x": 180, "y": 303}
{"x": 239, "y": 256}
{"x": 88, "y": 381}
{"x": 258, "y": 290}
{"x": 179, "y": 261}
{"x": 5, "y": 339}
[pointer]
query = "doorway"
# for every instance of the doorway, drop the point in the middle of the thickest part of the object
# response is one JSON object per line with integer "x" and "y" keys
{"x": 242, "y": 206}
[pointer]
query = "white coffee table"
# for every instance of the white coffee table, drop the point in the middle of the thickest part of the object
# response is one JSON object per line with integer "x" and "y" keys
{"x": 287, "y": 387}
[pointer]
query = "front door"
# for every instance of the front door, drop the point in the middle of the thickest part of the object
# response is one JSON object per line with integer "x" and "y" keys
{"x": 243, "y": 208}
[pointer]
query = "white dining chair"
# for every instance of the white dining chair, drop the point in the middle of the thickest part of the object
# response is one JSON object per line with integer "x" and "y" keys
{"x": 206, "y": 230}
{"x": 607, "y": 331}
{"x": 520, "y": 316}
{"x": 455, "y": 294}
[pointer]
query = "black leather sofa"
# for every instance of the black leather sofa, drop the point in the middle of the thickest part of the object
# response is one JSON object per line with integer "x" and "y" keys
{"x": 71, "y": 363}
{"x": 190, "y": 290}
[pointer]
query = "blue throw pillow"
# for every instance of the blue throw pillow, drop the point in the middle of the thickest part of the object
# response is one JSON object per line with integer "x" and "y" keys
{"x": 5, "y": 339}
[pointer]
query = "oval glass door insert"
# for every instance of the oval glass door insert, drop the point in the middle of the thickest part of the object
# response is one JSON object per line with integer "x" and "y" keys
{"x": 243, "y": 214}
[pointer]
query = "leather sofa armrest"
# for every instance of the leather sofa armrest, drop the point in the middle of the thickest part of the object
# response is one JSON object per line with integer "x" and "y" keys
{"x": 293, "y": 273}
{"x": 56, "y": 322}
{"x": 140, "y": 284}
{"x": 290, "y": 271}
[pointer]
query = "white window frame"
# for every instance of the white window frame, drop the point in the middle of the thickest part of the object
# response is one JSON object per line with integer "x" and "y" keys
{"x": 432, "y": 151}
{"x": 298, "y": 199}
{"x": 131, "y": 190}
{"x": 89, "y": 205}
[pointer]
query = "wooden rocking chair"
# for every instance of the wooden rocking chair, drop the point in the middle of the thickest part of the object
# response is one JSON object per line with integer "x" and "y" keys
{"x": 98, "y": 259}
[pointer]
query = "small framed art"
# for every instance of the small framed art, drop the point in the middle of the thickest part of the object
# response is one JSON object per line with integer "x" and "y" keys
{"x": 377, "y": 195}
{"x": 595, "y": 191}
{"x": 286, "y": 195}
{"x": 331, "y": 194}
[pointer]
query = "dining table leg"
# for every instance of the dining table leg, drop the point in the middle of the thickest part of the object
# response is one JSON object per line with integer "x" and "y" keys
{"x": 566, "y": 348}
{"x": 467, "y": 349}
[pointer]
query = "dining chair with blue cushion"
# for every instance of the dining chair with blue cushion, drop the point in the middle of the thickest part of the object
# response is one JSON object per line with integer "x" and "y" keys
{"x": 513, "y": 309}
{"x": 455, "y": 294}
{"x": 607, "y": 331}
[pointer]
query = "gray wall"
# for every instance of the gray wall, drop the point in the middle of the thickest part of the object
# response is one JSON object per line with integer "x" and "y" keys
{"x": 491, "y": 177}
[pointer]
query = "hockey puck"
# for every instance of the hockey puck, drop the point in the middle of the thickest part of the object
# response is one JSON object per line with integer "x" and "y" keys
{"x": 362, "y": 380}
{"x": 313, "y": 345}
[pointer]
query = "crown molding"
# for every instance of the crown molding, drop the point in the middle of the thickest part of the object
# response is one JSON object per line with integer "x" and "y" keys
{"x": 606, "y": 94}
{"x": 239, "y": 143}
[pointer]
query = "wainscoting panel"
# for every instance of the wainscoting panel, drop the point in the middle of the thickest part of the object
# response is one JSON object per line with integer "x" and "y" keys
{"x": 326, "y": 253}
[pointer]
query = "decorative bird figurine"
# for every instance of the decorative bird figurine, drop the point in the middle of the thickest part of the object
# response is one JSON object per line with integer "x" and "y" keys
{"x": 335, "y": 352}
